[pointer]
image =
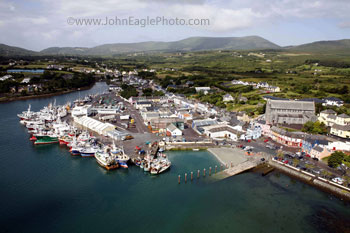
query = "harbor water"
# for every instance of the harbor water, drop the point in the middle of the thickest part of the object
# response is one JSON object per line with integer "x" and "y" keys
{"x": 45, "y": 189}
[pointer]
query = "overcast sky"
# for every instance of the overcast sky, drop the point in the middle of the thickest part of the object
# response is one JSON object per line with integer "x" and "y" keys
{"x": 38, "y": 24}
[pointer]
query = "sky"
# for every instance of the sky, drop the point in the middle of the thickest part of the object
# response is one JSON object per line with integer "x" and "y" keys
{"x": 39, "y": 24}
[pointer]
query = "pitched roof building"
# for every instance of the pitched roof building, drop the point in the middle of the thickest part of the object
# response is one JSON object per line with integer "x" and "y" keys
{"x": 289, "y": 112}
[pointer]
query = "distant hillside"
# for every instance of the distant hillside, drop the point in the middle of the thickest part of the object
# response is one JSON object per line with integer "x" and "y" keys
{"x": 189, "y": 44}
{"x": 64, "y": 50}
{"x": 341, "y": 46}
{"x": 6, "y": 50}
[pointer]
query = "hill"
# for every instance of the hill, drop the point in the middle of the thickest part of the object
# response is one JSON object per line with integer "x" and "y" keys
{"x": 6, "y": 50}
{"x": 333, "y": 46}
{"x": 189, "y": 44}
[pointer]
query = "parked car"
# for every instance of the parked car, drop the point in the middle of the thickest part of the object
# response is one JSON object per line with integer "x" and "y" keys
{"x": 338, "y": 180}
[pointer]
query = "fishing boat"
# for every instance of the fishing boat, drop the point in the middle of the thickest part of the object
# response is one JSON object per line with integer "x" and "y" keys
{"x": 104, "y": 159}
{"x": 136, "y": 161}
{"x": 88, "y": 152}
{"x": 123, "y": 164}
{"x": 146, "y": 166}
{"x": 45, "y": 140}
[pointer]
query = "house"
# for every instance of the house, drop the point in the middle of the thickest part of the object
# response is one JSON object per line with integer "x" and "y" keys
{"x": 339, "y": 146}
{"x": 342, "y": 131}
{"x": 143, "y": 104}
{"x": 340, "y": 125}
{"x": 327, "y": 117}
{"x": 273, "y": 89}
{"x": 228, "y": 98}
{"x": 242, "y": 116}
{"x": 253, "y": 132}
{"x": 265, "y": 128}
{"x": 262, "y": 85}
{"x": 205, "y": 90}
{"x": 333, "y": 101}
{"x": 172, "y": 130}
{"x": 222, "y": 132}
{"x": 309, "y": 142}
{"x": 26, "y": 80}
{"x": 289, "y": 112}
{"x": 320, "y": 152}
{"x": 5, "y": 77}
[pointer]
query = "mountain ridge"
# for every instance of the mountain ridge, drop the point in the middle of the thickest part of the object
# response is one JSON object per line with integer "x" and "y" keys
{"x": 184, "y": 45}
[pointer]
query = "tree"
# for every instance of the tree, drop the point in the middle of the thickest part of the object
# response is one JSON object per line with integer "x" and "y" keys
{"x": 314, "y": 127}
{"x": 336, "y": 159}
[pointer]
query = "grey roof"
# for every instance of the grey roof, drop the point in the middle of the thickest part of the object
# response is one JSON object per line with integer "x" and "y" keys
{"x": 273, "y": 97}
{"x": 280, "y": 131}
{"x": 172, "y": 127}
{"x": 318, "y": 148}
{"x": 333, "y": 117}
{"x": 225, "y": 128}
{"x": 344, "y": 116}
{"x": 291, "y": 104}
{"x": 333, "y": 99}
{"x": 329, "y": 111}
{"x": 316, "y": 100}
{"x": 206, "y": 122}
{"x": 341, "y": 127}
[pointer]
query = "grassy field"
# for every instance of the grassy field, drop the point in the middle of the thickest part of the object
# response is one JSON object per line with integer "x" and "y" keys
{"x": 298, "y": 74}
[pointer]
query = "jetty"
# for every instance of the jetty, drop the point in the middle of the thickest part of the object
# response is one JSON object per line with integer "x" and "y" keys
{"x": 234, "y": 160}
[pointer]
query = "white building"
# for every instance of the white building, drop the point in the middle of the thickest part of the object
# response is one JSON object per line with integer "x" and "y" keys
{"x": 3, "y": 78}
{"x": 173, "y": 130}
{"x": 333, "y": 101}
{"x": 205, "y": 90}
{"x": 143, "y": 104}
{"x": 26, "y": 80}
{"x": 78, "y": 111}
{"x": 228, "y": 98}
{"x": 222, "y": 132}
{"x": 94, "y": 125}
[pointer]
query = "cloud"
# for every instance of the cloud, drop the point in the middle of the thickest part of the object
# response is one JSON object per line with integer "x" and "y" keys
{"x": 344, "y": 25}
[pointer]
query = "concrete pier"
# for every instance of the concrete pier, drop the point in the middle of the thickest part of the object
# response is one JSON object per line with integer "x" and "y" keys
{"x": 238, "y": 160}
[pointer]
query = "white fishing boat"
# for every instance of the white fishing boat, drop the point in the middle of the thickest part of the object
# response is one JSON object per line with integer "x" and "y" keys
{"x": 106, "y": 160}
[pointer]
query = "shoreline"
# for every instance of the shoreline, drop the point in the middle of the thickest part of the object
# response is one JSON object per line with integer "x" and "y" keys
{"x": 324, "y": 186}
{"x": 12, "y": 99}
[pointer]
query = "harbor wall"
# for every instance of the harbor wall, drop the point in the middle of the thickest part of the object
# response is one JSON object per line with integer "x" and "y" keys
{"x": 187, "y": 145}
{"x": 319, "y": 182}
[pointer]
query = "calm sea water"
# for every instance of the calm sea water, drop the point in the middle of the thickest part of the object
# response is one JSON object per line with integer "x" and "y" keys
{"x": 44, "y": 189}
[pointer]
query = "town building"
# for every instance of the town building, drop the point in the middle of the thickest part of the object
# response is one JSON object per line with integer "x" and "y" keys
{"x": 319, "y": 152}
{"x": 197, "y": 125}
{"x": 172, "y": 130}
{"x": 340, "y": 124}
{"x": 221, "y": 132}
{"x": 289, "y": 112}
{"x": 94, "y": 125}
{"x": 333, "y": 101}
{"x": 227, "y": 98}
{"x": 205, "y": 90}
